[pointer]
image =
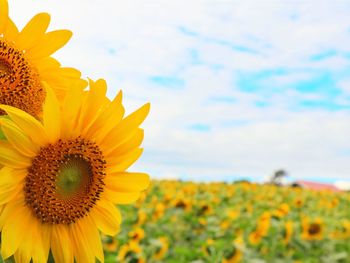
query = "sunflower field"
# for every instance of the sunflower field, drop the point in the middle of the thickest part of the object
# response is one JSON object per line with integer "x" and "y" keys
{"x": 239, "y": 222}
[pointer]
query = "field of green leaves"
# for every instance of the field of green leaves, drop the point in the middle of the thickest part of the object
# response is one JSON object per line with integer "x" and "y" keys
{"x": 241, "y": 222}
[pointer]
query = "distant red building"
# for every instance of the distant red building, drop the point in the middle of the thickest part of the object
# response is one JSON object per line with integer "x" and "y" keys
{"x": 316, "y": 186}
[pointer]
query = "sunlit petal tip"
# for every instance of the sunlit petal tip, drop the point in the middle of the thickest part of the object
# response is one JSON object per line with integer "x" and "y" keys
{"x": 119, "y": 96}
{"x": 101, "y": 82}
{"x": 146, "y": 108}
{"x": 4, "y": 8}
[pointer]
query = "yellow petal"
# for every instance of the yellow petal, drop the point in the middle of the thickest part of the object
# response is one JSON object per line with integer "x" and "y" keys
{"x": 126, "y": 127}
{"x": 52, "y": 115}
{"x": 11, "y": 158}
{"x": 10, "y": 183}
{"x": 123, "y": 162}
{"x": 27, "y": 248}
{"x": 41, "y": 234}
{"x": 46, "y": 64}
{"x": 24, "y": 255}
{"x": 96, "y": 243}
{"x": 70, "y": 112}
{"x": 29, "y": 125}
{"x": 70, "y": 72}
{"x": 96, "y": 100}
{"x": 106, "y": 217}
{"x": 17, "y": 139}
{"x": 133, "y": 141}
{"x": 81, "y": 249}
{"x": 3, "y": 14}
{"x": 121, "y": 198}
{"x": 108, "y": 118}
{"x": 13, "y": 230}
{"x": 11, "y": 208}
{"x": 60, "y": 76}
{"x": 61, "y": 244}
{"x": 33, "y": 31}
{"x": 50, "y": 42}
{"x": 92, "y": 237}
{"x": 127, "y": 182}
{"x": 11, "y": 30}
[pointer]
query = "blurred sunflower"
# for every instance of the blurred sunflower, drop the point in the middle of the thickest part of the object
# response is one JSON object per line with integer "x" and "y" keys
{"x": 158, "y": 211}
{"x": 255, "y": 237}
{"x": 236, "y": 254}
{"x": 130, "y": 252}
{"x": 25, "y": 62}
{"x": 312, "y": 230}
{"x": 64, "y": 176}
{"x": 141, "y": 217}
{"x": 208, "y": 247}
{"x": 288, "y": 232}
{"x": 162, "y": 248}
{"x": 204, "y": 209}
{"x": 110, "y": 244}
{"x": 261, "y": 230}
{"x": 343, "y": 232}
{"x": 281, "y": 211}
{"x": 137, "y": 234}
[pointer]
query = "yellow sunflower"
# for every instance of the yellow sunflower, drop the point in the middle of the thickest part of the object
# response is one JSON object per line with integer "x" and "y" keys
{"x": 137, "y": 234}
{"x": 162, "y": 248}
{"x": 62, "y": 178}
{"x": 288, "y": 232}
{"x": 312, "y": 230}
{"x": 25, "y": 61}
{"x": 236, "y": 254}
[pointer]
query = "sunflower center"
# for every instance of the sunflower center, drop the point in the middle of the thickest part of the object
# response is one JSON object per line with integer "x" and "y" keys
{"x": 65, "y": 180}
{"x": 20, "y": 84}
{"x": 314, "y": 229}
{"x": 73, "y": 175}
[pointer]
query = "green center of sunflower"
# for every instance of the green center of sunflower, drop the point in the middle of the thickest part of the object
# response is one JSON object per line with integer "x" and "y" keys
{"x": 20, "y": 84}
{"x": 73, "y": 176}
{"x": 65, "y": 181}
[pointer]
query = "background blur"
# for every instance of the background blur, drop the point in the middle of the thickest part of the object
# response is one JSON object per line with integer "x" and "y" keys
{"x": 238, "y": 88}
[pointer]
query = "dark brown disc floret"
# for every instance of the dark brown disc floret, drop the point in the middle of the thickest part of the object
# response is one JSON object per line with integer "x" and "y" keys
{"x": 65, "y": 180}
{"x": 20, "y": 84}
{"x": 314, "y": 229}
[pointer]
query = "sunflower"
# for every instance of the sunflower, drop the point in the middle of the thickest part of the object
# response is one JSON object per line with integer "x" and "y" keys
{"x": 64, "y": 176}
{"x": 162, "y": 248}
{"x": 130, "y": 252}
{"x": 343, "y": 232}
{"x": 281, "y": 211}
{"x": 208, "y": 248}
{"x": 25, "y": 62}
{"x": 288, "y": 232}
{"x": 255, "y": 237}
{"x": 110, "y": 244}
{"x": 312, "y": 230}
{"x": 158, "y": 212}
{"x": 137, "y": 234}
{"x": 236, "y": 254}
{"x": 234, "y": 257}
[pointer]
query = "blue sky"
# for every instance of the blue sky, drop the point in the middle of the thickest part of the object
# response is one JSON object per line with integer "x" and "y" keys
{"x": 238, "y": 88}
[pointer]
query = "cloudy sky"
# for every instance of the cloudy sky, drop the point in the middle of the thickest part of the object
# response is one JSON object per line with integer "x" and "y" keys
{"x": 238, "y": 88}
